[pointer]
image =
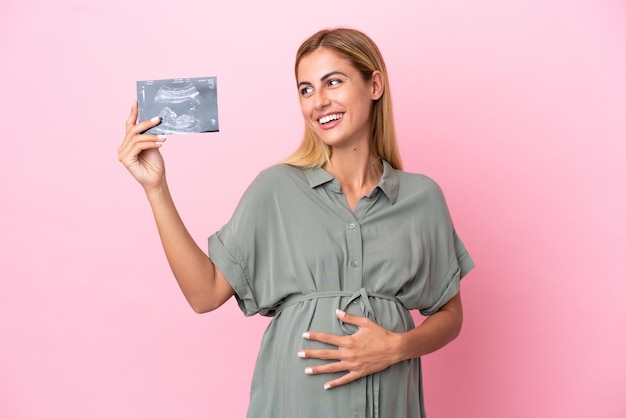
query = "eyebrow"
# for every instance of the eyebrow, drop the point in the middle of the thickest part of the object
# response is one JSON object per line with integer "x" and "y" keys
{"x": 325, "y": 77}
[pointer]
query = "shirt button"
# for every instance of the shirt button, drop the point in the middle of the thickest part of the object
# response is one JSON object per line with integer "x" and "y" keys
{"x": 352, "y": 226}
{"x": 354, "y": 264}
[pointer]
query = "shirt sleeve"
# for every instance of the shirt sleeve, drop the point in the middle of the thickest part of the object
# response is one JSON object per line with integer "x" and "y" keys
{"x": 234, "y": 271}
{"x": 466, "y": 263}
{"x": 233, "y": 248}
{"x": 445, "y": 286}
{"x": 444, "y": 260}
{"x": 247, "y": 250}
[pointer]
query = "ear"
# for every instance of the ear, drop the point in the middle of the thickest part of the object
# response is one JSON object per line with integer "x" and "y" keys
{"x": 377, "y": 84}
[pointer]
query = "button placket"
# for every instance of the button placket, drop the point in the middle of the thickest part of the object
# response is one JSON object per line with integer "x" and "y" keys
{"x": 355, "y": 253}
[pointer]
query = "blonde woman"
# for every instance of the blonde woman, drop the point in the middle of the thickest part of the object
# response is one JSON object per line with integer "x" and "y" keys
{"x": 337, "y": 243}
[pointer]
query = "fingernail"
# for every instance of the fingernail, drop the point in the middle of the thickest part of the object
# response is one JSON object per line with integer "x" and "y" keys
{"x": 301, "y": 354}
{"x": 340, "y": 313}
{"x": 155, "y": 119}
{"x": 308, "y": 370}
{"x": 161, "y": 137}
{"x": 327, "y": 386}
{"x": 306, "y": 335}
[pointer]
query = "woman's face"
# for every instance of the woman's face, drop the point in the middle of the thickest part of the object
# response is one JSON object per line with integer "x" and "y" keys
{"x": 335, "y": 100}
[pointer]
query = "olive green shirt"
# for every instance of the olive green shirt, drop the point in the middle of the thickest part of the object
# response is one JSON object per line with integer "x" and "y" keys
{"x": 294, "y": 250}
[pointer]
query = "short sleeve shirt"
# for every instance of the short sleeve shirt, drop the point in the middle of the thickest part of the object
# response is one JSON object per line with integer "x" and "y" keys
{"x": 294, "y": 250}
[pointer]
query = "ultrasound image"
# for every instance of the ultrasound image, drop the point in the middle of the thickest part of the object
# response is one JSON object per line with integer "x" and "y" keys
{"x": 185, "y": 105}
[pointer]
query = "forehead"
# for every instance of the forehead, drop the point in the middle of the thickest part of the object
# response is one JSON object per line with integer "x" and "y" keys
{"x": 320, "y": 62}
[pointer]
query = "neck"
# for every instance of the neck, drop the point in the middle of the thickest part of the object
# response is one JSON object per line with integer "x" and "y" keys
{"x": 357, "y": 170}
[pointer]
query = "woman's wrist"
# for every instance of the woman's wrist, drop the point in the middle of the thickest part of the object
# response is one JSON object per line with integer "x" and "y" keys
{"x": 157, "y": 192}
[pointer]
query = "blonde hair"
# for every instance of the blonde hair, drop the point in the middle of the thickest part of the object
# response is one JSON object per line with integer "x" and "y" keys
{"x": 363, "y": 53}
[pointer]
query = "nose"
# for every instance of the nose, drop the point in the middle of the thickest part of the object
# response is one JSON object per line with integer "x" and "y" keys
{"x": 321, "y": 99}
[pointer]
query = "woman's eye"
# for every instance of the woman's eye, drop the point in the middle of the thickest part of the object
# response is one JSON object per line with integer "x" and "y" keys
{"x": 334, "y": 82}
{"x": 306, "y": 90}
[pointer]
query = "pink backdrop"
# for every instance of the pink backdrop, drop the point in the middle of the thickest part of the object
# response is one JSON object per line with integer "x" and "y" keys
{"x": 518, "y": 109}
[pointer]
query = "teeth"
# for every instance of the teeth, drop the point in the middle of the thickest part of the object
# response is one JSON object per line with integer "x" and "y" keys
{"x": 328, "y": 118}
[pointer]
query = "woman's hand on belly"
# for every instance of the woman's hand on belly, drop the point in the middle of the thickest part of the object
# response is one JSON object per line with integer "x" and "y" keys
{"x": 369, "y": 350}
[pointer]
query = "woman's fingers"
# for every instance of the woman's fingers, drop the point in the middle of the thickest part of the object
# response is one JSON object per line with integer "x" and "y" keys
{"x": 336, "y": 367}
{"x": 133, "y": 127}
{"x": 323, "y": 337}
{"x": 132, "y": 118}
{"x": 137, "y": 129}
{"x": 136, "y": 144}
{"x": 140, "y": 152}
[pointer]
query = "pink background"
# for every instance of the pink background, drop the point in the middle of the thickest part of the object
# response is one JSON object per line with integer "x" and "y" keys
{"x": 518, "y": 110}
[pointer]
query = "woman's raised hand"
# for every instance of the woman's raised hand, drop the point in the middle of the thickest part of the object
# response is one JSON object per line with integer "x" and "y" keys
{"x": 140, "y": 153}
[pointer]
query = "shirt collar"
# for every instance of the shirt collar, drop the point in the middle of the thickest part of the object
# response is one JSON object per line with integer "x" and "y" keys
{"x": 389, "y": 181}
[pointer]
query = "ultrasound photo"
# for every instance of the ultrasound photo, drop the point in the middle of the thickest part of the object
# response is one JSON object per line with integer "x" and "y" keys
{"x": 185, "y": 105}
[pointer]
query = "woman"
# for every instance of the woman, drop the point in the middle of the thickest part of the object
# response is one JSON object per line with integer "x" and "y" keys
{"x": 337, "y": 243}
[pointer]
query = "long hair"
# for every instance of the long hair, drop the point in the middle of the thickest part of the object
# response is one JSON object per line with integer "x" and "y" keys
{"x": 365, "y": 56}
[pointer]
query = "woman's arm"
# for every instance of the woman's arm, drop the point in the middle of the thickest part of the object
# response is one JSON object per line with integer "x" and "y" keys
{"x": 373, "y": 348}
{"x": 435, "y": 332}
{"x": 202, "y": 283}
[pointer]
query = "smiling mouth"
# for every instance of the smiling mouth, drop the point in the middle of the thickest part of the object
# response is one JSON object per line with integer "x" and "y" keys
{"x": 330, "y": 118}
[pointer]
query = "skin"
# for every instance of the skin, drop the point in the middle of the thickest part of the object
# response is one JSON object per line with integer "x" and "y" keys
{"x": 328, "y": 85}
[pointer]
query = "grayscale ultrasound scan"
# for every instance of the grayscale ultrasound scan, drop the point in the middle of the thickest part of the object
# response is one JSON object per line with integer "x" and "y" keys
{"x": 185, "y": 105}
